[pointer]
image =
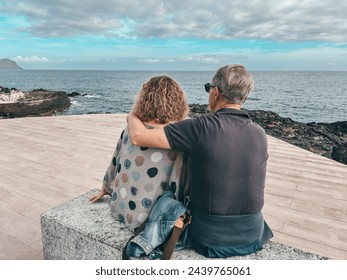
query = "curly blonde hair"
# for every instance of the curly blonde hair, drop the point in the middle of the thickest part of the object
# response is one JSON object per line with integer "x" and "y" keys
{"x": 161, "y": 100}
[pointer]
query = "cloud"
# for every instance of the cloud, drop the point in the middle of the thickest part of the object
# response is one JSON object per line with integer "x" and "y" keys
{"x": 213, "y": 58}
{"x": 209, "y": 59}
{"x": 33, "y": 58}
{"x": 156, "y": 60}
{"x": 294, "y": 20}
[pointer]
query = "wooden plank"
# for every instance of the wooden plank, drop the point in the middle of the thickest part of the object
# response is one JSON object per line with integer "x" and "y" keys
{"x": 309, "y": 198}
{"x": 22, "y": 205}
{"x": 19, "y": 227}
{"x": 309, "y": 246}
{"x": 321, "y": 230}
{"x": 331, "y": 211}
{"x": 275, "y": 223}
{"x": 307, "y": 229}
{"x": 278, "y": 200}
{"x": 333, "y": 191}
{"x": 13, "y": 249}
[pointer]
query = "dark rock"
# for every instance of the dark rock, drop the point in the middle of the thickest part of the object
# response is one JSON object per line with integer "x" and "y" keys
{"x": 198, "y": 109}
{"x": 35, "y": 103}
{"x": 73, "y": 94}
{"x": 93, "y": 113}
{"x": 319, "y": 138}
{"x": 340, "y": 153}
{"x": 40, "y": 89}
{"x": 4, "y": 90}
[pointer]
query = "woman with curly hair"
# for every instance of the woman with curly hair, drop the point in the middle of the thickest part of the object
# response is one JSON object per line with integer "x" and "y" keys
{"x": 137, "y": 176}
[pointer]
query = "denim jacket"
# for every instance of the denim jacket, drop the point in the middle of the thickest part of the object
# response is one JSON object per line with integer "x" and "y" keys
{"x": 158, "y": 228}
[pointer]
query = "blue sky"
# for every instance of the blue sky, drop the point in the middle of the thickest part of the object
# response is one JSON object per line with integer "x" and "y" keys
{"x": 174, "y": 35}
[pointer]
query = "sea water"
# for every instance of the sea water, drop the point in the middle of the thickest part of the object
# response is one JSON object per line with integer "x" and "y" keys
{"x": 302, "y": 96}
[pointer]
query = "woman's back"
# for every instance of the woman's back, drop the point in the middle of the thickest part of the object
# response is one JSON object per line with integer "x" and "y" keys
{"x": 137, "y": 176}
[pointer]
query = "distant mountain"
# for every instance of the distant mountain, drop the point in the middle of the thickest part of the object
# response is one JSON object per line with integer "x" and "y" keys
{"x": 8, "y": 64}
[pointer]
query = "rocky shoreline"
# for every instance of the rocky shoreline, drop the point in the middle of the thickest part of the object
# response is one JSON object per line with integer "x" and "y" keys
{"x": 15, "y": 103}
{"x": 325, "y": 139}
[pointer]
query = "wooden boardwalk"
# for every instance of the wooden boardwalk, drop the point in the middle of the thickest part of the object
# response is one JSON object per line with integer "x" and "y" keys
{"x": 47, "y": 161}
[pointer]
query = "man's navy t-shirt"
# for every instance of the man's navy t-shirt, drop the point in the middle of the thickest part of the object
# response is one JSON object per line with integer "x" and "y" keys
{"x": 228, "y": 154}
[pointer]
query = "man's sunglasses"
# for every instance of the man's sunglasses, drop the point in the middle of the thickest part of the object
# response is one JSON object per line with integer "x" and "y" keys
{"x": 208, "y": 86}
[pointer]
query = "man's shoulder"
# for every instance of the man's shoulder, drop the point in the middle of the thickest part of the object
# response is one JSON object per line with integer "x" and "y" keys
{"x": 186, "y": 122}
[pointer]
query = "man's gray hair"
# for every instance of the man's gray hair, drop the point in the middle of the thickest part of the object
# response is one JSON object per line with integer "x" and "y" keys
{"x": 234, "y": 82}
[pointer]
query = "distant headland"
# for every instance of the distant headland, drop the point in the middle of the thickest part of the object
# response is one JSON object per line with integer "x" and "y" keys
{"x": 6, "y": 63}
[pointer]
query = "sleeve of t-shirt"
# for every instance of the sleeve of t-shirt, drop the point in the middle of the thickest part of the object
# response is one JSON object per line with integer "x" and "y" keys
{"x": 183, "y": 135}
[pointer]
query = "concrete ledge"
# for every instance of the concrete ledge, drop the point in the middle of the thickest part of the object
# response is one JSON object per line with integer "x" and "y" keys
{"x": 79, "y": 229}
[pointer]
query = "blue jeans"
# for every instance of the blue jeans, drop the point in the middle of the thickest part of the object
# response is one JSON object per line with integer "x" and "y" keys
{"x": 158, "y": 228}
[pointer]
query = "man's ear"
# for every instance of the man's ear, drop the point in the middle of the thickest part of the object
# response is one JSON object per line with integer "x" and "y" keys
{"x": 216, "y": 93}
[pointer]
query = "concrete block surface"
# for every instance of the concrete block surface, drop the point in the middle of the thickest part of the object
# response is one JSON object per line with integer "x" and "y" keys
{"x": 80, "y": 230}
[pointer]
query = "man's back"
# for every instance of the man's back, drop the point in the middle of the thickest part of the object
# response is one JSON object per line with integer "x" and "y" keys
{"x": 228, "y": 154}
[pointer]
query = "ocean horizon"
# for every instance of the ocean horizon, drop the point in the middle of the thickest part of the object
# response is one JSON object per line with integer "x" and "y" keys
{"x": 304, "y": 96}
